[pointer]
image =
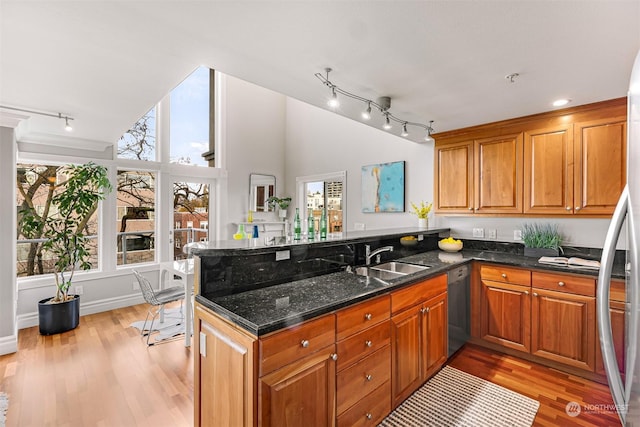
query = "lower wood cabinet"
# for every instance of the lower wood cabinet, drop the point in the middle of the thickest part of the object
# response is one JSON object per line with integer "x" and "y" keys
{"x": 617, "y": 313}
{"x": 419, "y": 338}
{"x": 301, "y": 393}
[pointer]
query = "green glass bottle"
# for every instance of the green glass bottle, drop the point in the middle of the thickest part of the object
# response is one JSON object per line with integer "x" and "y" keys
{"x": 297, "y": 229}
{"x": 323, "y": 224}
{"x": 311, "y": 226}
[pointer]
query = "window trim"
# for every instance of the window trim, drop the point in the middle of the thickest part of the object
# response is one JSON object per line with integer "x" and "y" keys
{"x": 301, "y": 198}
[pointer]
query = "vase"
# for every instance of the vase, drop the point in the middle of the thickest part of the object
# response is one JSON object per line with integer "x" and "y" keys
{"x": 423, "y": 223}
{"x": 282, "y": 213}
{"x": 58, "y": 317}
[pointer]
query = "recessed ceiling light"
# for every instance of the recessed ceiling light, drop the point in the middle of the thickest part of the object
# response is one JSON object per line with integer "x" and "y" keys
{"x": 561, "y": 102}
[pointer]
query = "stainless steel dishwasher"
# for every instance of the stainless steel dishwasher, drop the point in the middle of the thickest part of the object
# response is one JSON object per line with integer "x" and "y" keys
{"x": 459, "y": 311}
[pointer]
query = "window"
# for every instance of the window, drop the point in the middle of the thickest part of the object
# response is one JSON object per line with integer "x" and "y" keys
{"x": 190, "y": 207}
{"x": 189, "y": 122}
{"x": 136, "y": 196}
{"x": 318, "y": 192}
{"x": 36, "y": 187}
{"x": 139, "y": 142}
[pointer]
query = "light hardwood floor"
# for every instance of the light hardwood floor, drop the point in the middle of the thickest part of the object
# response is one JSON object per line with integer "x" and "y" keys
{"x": 102, "y": 374}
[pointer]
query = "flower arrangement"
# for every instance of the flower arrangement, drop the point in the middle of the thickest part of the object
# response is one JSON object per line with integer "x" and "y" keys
{"x": 421, "y": 211}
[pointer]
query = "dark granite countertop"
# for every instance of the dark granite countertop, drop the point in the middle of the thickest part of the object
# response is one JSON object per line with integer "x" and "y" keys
{"x": 272, "y": 308}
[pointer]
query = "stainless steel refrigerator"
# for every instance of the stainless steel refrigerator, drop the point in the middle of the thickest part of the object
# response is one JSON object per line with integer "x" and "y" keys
{"x": 626, "y": 220}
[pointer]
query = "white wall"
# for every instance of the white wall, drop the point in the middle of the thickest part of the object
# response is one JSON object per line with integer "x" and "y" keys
{"x": 8, "y": 328}
{"x": 319, "y": 141}
{"x": 255, "y": 133}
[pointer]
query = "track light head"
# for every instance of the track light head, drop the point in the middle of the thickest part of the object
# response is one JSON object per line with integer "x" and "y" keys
{"x": 333, "y": 102}
{"x": 366, "y": 114}
{"x": 387, "y": 123}
{"x": 429, "y": 138}
{"x": 67, "y": 126}
{"x": 404, "y": 130}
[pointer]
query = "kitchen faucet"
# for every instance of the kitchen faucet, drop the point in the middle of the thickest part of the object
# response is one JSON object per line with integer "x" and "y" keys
{"x": 368, "y": 254}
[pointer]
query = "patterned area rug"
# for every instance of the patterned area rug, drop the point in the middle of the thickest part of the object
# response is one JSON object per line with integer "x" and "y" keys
{"x": 4, "y": 405}
{"x": 455, "y": 398}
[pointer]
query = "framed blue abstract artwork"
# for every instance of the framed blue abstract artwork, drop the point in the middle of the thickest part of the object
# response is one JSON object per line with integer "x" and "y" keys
{"x": 383, "y": 187}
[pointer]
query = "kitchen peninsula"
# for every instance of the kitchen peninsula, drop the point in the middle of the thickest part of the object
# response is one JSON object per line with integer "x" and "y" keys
{"x": 285, "y": 333}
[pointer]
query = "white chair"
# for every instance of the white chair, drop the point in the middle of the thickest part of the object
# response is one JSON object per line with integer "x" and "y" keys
{"x": 157, "y": 301}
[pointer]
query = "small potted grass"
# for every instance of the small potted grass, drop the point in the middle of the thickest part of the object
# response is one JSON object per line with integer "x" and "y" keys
{"x": 541, "y": 240}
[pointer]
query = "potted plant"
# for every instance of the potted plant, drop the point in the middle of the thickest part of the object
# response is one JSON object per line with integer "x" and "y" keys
{"x": 422, "y": 212}
{"x": 541, "y": 240}
{"x": 282, "y": 203}
{"x": 76, "y": 199}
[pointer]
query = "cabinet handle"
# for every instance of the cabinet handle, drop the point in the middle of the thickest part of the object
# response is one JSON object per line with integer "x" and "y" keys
{"x": 504, "y": 275}
{"x": 535, "y": 294}
{"x": 368, "y": 343}
{"x": 368, "y": 377}
{"x": 560, "y": 283}
{"x": 368, "y": 316}
{"x": 470, "y": 209}
{"x": 369, "y": 416}
{"x": 423, "y": 310}
{"x": 304, "y": 343}
{"x": 334, "y": 356}
{"x": 568, "y": 208}
{"x": 526, "y": 292}
{"x": 577, "y": 208}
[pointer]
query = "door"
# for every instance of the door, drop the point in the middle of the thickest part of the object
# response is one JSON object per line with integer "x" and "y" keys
{"x": 302, "y": 393}
{"x": 505, "y": 315}
{"x": 498, "y": 174}
{"x": 434, "y": 325}
{"x": 548, "y": 170}
{"x": 563, "y": 328}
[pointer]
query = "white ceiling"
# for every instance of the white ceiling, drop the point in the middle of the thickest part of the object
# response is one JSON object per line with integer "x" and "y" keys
{"x": 107, "y": 62}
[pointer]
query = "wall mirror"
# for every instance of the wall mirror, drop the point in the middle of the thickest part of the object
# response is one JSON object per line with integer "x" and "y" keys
{"x": 261, "y": 187}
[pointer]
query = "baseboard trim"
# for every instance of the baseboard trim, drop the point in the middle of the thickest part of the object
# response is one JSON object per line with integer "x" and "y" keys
{"x": 8, "y": 344}
{"x": 29, "y": 320}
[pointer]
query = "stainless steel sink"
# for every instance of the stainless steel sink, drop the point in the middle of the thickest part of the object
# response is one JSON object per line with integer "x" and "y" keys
{"x": 384, "y": 275}
{"x": 388, "y": 270}
{"x": 400, "y": 267}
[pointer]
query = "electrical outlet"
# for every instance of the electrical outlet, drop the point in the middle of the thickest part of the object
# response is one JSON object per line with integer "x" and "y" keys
{"x": 492, "y": 233}
{"x": 135, "y": 285}
{"x": 79, "y": 290}
{"x": 517, "y": 234}
{"x": 478, "y": 232}
{"x": 359, "y": 226}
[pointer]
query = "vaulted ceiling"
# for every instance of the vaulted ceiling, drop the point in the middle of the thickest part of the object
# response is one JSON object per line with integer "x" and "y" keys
{"x": 107, "y": 62}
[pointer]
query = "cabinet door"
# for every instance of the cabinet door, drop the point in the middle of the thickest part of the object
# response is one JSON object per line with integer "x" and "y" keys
{"x": 616, "y": 311}
{"x": 222, "y": 396}
{"x": 600, "y": 165}
{"x": 405, "y": 353}
{"x": 434, "y": 329}
{"x": 498, "y": 174}
{"x": 505, "y": 314}
{"x": 564, "y": 328}
{"x": 300, "y": 394}
{"x": 548, "y": 170}
{"x": 454, "y": 178}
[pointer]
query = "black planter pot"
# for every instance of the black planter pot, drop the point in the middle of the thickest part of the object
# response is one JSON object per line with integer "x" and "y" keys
{"x": 58, "y": 317}
{"x": 540, "y": 252}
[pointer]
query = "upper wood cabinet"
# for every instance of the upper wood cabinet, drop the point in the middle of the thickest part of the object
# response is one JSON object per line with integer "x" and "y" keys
{"x": 565, "y": 162}
{"x": 454, "y": 178}
{"x": 498, "y": 174}
{"x": 600, "y": 165}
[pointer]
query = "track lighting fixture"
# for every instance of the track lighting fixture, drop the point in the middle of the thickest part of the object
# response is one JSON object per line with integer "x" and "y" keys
{"x": 383, "y": 104}
{"x": 429, "y": 138}
{"x": 404, "y": 130}
{"x": 67, "y": 126}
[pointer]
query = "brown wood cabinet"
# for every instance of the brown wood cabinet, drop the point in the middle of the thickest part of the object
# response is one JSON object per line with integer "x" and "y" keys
{"x": 418, "y": 335}
{"x": 564, "y": 162}
{"x": 617, "y": 313}
{"x": 223, "y": 396}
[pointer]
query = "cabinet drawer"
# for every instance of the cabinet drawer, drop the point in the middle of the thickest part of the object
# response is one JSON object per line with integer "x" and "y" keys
{"x": 361, "y": 316}
{"x": 564, "y": 283}
{"x": 362, "y": 378}
{"x": 370, "y": 410}
{"x": 617, "y": 291}
{"x": 363, "y": 343}
{"x": 417, "y": 293}
{"x": 498, "y": 273}
{"x": 283, "y": 347}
